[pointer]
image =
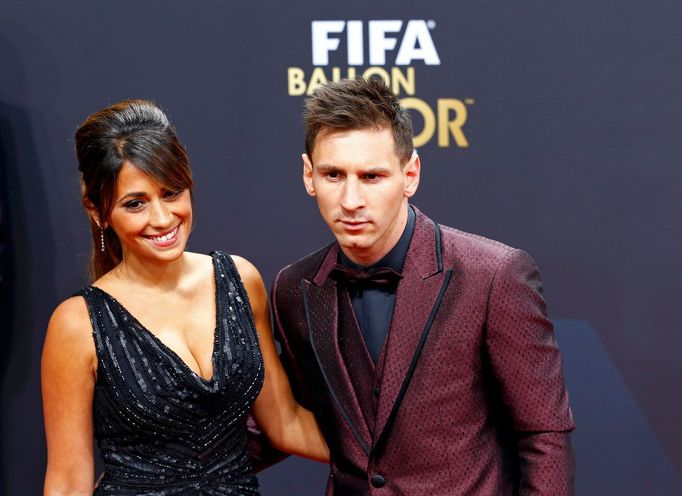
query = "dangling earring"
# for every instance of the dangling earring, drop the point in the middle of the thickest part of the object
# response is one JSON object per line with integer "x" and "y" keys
{"x": 101, "y": 238}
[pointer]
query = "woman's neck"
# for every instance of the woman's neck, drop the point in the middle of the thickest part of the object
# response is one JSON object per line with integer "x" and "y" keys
{"x": 145, "y": 274}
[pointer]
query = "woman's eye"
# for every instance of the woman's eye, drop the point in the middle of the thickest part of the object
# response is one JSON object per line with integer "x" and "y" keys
{"x": 134, "y": 205}
{"x": 172, "y": 194}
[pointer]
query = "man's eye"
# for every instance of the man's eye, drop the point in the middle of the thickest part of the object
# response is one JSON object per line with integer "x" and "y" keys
{"x": 371, "y": 177}
{"x": 333, "y": 175}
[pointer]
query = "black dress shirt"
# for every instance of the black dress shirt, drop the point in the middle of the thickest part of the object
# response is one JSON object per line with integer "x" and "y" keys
{"x": 373, "y": 305}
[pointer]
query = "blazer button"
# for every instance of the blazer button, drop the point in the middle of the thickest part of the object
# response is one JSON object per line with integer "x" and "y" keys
{"x": 377, "y": 391}
{"x": 378, "y": 480}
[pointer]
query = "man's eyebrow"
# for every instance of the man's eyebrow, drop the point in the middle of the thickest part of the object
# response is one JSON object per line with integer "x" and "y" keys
{"x": 375, "y": 170}
{"x": 326, "y": 167}
{"x": 368, "y": 170}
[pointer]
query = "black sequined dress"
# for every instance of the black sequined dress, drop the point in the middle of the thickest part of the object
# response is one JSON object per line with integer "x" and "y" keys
{"x": 161, "y": 428}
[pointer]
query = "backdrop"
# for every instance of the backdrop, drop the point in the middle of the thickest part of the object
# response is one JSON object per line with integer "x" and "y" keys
{"x": 551, "y": 126}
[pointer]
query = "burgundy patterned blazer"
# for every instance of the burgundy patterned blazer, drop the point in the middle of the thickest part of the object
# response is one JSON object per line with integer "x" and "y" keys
{"x": 467, "y": 397}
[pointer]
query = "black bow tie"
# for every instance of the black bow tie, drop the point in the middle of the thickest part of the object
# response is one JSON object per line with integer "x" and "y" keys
{"x": 383, "y": 276}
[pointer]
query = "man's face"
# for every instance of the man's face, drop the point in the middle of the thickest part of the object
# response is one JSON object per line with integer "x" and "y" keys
{"x": 361, "y": 189}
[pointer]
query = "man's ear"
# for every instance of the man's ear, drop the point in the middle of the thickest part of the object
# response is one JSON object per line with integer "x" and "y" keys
{"x": 308, "y": 175}
{"x": 411, "y": 173}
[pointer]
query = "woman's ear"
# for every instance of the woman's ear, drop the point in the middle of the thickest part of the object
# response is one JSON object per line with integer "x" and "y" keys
{"x": 93, "y": 213}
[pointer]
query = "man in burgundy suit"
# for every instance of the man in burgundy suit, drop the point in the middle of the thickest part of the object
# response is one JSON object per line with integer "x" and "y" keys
{"x": 425, "y": 352}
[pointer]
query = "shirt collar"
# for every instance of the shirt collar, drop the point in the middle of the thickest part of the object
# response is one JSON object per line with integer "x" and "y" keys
{"x": 395, "y": 258}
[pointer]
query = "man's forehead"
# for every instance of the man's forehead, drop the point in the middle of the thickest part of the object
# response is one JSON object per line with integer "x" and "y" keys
{"x": 369, "y": 139}
{"x": 356, "y": 147}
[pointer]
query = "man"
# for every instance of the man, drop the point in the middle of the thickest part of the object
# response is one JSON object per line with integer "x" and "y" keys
{"x": 424, "y": 352}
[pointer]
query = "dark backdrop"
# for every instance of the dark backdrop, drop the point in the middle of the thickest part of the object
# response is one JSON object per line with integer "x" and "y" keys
{"x": 573, "y": 125}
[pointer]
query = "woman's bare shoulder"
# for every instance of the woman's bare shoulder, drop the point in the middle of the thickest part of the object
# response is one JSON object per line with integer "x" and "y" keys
{"x": 70, "y": 326}
{"x": 247, "y": 271}
{"x": 71, "y": 313}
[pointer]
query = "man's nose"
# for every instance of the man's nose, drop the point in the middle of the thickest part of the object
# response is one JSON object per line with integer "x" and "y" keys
{"x": 352, "y": 197}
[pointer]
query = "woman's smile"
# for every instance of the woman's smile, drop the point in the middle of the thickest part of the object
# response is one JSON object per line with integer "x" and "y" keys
{"x": 166, "y": 239}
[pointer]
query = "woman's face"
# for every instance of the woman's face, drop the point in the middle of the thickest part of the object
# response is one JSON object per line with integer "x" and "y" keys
{"x": 152, "y": 222}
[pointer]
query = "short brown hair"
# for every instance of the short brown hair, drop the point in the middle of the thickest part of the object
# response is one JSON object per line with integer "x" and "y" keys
{"x": 352, "y": 104}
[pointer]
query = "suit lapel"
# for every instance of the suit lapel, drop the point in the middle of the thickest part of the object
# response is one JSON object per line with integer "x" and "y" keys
{"x": 321, "y": 308}
{"x": 417, "y": 300}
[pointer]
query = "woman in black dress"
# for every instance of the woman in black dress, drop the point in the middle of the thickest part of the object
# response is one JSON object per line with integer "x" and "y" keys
{"x": 163, "y": 356}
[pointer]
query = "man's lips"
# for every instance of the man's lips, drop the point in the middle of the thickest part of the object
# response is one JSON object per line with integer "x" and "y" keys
{"x": 353, "y": 225}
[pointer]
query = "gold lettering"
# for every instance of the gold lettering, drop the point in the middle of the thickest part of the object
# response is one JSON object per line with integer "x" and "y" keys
{"x": 317, "y": 78}
{"x": 295, "y": 76}
{"x": 447, "y": 118}
{"x": 429, "y": 119}
{"x": 399, "y": 79}
{"x": 377, "y": 71}
{"x": 445, "y": 105}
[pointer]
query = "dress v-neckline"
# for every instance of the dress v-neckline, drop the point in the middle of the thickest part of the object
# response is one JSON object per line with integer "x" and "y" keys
{"x": 172, "y": 353}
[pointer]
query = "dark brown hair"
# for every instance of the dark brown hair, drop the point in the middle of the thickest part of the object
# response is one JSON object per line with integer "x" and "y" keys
{"x": 132, "y": 131}
{"x": 352, "y": 104}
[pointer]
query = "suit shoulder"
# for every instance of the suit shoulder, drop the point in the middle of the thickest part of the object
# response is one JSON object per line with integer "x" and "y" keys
{"x": 304, "y": 268}
{"x": 473, "y": 249}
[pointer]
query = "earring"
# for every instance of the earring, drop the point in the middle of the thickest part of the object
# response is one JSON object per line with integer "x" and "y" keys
{"x": 101, "y": 238}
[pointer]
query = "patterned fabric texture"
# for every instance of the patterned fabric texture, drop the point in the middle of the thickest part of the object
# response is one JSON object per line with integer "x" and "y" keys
{"x": 467, "y": 397}
{"x": 161, "y": 428}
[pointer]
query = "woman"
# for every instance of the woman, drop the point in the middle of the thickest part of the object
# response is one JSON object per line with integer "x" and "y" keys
{"x": 165, "y": 353}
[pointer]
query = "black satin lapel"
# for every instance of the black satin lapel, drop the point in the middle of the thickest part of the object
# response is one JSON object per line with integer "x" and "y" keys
{"x": 321, "y": 309}
{"x": 417, "y": 303}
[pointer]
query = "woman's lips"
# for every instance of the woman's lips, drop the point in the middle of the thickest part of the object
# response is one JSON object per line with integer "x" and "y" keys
{"x": 166, "y": 239}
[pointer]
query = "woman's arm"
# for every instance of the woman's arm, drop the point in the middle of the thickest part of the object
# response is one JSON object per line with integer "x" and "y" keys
{"x": 68, "y": 379}
{"x": 289, "y": 426}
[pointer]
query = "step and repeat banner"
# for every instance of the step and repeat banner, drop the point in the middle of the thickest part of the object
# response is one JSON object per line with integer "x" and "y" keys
{"x": 553, "y": 127}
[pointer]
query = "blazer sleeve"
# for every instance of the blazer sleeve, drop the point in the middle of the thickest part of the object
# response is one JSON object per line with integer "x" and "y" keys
{"x": 286, "y": 308}
{"x": 526, "y": 364}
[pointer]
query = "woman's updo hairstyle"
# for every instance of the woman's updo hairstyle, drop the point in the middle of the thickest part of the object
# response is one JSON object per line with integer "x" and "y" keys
{"x": 136, "y": 132}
